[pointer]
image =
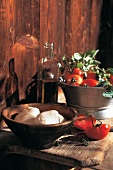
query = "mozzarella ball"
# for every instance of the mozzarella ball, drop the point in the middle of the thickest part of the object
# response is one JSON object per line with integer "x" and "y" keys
{"x": 49, "y": 117}
{"x": 27, "y": 113}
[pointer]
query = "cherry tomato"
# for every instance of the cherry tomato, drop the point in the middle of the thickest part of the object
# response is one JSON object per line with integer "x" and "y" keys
{"x": 84, "y": 121}
{"x": 78, "y": 72}
{"x": 111, "y": 79}
{"x": 90, "y": 82}
{"x": 97, "y": 132}
{"x": 74, "y": 82}
{"x": 91, "y": 75}
{"x": 75, "y": 77}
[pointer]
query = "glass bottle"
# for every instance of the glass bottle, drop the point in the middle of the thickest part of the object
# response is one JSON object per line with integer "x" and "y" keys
{"x": 47, "y": 76}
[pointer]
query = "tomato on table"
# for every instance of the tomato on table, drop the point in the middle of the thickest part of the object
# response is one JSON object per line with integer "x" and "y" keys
{"x": 74, "y": 77}
{"x": 97, "y": 132}
{"x": 84, "y": 121}
{"x": 90, "y": 82}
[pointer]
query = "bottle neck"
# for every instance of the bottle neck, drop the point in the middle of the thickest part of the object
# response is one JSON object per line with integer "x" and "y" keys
{"x": 48, "y": 50}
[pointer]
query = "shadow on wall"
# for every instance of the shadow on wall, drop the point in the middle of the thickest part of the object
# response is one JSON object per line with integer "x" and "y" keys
{"x": 11, "y": 87}
{"x": 25, "y": 52}
{"x": 31, "y": 91}
{"x": 12, "y": 91}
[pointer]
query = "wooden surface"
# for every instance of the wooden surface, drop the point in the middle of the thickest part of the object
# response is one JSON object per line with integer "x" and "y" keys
{"x": 25, "y": 51}
{"x": 68, "y": 154}
{"x": 97, "y": 155}
{"x": 73, "y": 26}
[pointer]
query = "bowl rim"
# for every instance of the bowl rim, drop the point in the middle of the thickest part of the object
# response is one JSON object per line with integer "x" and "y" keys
{"x": 82, "y": 87}
{"x": 44, "y": 125}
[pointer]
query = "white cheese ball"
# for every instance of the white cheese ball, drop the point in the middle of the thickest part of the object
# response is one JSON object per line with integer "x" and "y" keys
{"x": 49, "y": 117}
{"x": 27, "y": 113}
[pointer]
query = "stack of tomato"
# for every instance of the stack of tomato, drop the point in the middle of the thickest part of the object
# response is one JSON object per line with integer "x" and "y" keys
{"x": 83, "y": 70}
{"x": 93, "y": 130}
{"x": 77, "y": 78}
{"x": 89, "y": 124}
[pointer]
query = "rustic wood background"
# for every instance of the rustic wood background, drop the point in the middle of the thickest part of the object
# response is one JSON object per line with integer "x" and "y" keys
{"x": 73, "y": 26}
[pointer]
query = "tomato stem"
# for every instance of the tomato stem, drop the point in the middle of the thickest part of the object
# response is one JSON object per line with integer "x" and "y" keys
{"x": 92, "y": 120}
{"x": 97, "y": 124}
{"x": 73, "y": 80}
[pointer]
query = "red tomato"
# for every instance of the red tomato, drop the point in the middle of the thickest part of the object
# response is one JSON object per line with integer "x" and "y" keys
{"x": 111, "y": 79}
{"x": 77, "y": 71}
{"x": 84, "y": 121}
{"x": 91, "y": 75}
{"x": 74, "y": 84}
{"x": 90, "y": 82}
{"x": 97, "y": 132}
{"x": 75, "y": 77}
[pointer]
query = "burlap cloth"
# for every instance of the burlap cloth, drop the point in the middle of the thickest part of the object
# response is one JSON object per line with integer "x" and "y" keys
{"x": 69, "y": 152}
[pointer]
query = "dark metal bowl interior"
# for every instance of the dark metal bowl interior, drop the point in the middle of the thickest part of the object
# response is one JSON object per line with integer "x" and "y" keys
{"x": 87, "y": 98}
{"x": 39, "y": 136}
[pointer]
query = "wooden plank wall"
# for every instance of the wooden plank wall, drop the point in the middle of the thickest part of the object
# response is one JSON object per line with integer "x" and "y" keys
{"x": 82, "y": 25}
{"x": 73, "y": 26}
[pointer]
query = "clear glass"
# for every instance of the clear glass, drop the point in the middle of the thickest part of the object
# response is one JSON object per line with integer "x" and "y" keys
{"x": 47, "y": 76}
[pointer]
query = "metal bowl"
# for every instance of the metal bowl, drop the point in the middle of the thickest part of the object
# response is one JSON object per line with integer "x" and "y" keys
{"x": 39, "y": 136}
{"x": 87, "y": 99}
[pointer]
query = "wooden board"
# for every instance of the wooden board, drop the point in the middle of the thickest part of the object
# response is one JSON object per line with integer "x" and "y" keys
{"x": 67, "y": 154}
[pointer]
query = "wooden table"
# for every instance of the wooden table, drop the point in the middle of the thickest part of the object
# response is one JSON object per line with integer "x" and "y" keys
{"x": 14, "y": 155}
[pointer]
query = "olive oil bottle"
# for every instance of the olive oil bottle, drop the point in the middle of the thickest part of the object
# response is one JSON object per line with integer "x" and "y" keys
{"x": 47, "y": 76}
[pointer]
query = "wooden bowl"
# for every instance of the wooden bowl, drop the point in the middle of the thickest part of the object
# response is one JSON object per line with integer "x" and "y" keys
{"x": 39, "y": 136}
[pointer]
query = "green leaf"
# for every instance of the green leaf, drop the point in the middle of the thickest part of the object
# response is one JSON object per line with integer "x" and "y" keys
{"x": 92, "y": 53}
{"x": 77, "y": 56}
{"x": 84, "y": 61}
{"x": 79, "y": 65}
{"x": 109, "y": 70}
{"x": 65, "y": 61}
{"x": 108, "y": 92}
{"x": 88, "y": 58}
{"x": 96, "y": 62}
{"x": 64, "y": 58}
